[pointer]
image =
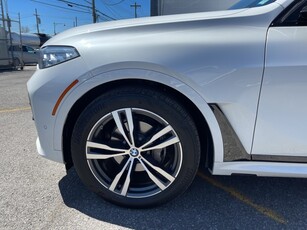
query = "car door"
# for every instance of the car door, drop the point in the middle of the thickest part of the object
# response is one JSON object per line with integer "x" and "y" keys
{"x": 29, "y": 55}
{"x": 281, "y": 126}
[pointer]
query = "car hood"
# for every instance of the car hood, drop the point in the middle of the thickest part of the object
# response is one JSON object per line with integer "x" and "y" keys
{"x": 103, "y": 26}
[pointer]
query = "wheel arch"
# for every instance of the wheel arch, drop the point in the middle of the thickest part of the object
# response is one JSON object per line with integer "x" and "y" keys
{"x": 208, "y": 128}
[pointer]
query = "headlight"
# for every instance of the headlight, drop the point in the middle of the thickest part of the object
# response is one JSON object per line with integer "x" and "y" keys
{"x": 53, "y": 55}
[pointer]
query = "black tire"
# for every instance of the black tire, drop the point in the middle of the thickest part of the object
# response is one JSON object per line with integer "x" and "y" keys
{"x": 156, "y": 165}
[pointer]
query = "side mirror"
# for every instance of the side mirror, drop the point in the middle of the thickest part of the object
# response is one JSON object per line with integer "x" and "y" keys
{"x": 302, "y": 19}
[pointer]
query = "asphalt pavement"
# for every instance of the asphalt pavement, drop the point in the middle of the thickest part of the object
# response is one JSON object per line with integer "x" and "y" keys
{"x": 36, "y": 193}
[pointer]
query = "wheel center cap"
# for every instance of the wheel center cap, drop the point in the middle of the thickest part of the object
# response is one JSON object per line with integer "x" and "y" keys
{"x": 134, "y": 152}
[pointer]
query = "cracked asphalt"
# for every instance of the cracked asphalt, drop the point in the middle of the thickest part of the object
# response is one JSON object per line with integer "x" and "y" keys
{"x": 36, "y": 193}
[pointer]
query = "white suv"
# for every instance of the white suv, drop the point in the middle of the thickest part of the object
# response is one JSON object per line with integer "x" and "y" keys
{"x": 134, "y": 105}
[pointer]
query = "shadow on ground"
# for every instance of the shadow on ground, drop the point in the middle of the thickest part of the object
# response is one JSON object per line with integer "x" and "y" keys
{"x": 203, "y": 206}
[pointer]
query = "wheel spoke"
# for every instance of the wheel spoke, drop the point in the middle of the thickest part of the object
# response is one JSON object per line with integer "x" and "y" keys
{"x": 130, "y": 124}
{"x": 164, "y": 144}
{"x": 119, "y": 175}
{"x": 159, "y": 170}
{"x": 90, "y": 144}
{"x": 120, "y": 126}
{"x": 152, "y": 177}
{"x": 127, "y": 181}
{"x": 158, "y": 135}
{"x": 119, "y": 148}
{"x": 95, "y": 156}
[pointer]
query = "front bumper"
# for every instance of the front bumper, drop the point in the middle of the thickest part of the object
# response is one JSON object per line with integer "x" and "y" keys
{"x": 45, "y": 88}
{"x": 50, "y": 154}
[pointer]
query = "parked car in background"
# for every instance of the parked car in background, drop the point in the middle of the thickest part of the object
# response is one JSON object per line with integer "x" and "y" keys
{"x": 24, "y": 55}
{"x": 134, "y": 105}
{"x": 33, "y": 40}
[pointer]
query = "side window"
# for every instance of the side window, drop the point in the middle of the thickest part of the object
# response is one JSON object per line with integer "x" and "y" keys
{"x": 30, "y": 49}
{"x": 14, "y": 48}
{"x": 294, "y": 15}
{"x": 302, "y": 20}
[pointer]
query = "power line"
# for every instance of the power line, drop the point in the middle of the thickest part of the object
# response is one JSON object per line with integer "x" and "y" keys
{"x": 63, "y": 8}
{"x": 93, "y": 8}
{"x": 112, "y": 11}
{"x": 110, "y": 8}
{"x": 74, "y": 4}
{"x": 87, "y": 1}
{"x": 105, "y": 15}
{"x": 112, "y": 4}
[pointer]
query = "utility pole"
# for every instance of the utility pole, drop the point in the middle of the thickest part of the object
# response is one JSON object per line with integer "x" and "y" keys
{"x": 54, "y": 26}
{"x": 10, "y": 33}
{"x": 38, "y": 21}
{"x": 75, "y": 22}
{"x": 92, "y": 7}
{"x": 2, "y": 12}
{"x": 94, "y": 11}
{"x": 19, "y": 20}
{"x": 20, "y": 40}
{"x": 135, "y": 9}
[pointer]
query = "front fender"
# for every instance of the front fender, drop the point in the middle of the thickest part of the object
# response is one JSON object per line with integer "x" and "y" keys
{"x": 157, "y": 74}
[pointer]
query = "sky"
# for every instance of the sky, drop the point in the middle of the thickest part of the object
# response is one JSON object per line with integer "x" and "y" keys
{"x": 57, "y": 16}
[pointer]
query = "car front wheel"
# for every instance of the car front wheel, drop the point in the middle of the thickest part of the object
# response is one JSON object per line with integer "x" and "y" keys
{"x": 136, "y": 147}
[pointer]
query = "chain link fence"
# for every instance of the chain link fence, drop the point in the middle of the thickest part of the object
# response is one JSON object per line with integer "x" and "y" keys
{"x": 10, "y": 56}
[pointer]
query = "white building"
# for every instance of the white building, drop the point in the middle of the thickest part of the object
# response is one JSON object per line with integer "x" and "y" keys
{"x": 165, "y": 7}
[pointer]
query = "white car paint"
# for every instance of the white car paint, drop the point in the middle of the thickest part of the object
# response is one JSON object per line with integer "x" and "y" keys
{"x": 214, "y": 57}
{"x": 281, "y": 123}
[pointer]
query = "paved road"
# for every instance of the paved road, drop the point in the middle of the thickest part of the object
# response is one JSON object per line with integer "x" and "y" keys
{"x": 38, "y": 194}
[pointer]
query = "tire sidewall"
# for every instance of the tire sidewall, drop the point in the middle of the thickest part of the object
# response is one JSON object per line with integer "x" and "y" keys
{"x": 150, "y": 100}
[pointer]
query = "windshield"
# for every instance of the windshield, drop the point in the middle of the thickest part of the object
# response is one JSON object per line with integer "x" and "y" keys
{"x": 250, "y": 3}
{"x": 166, "y": 7}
